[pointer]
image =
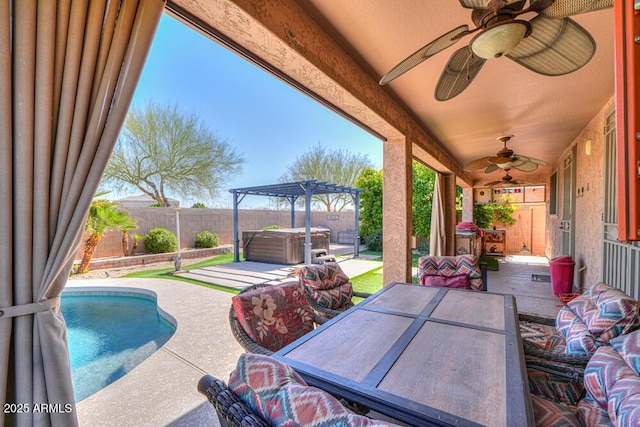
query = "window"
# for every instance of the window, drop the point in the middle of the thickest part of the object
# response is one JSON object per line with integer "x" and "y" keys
{"x": 553, "y": 194}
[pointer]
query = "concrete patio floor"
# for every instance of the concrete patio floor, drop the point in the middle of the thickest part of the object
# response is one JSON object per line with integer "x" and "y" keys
{"x": 162, "y": 389}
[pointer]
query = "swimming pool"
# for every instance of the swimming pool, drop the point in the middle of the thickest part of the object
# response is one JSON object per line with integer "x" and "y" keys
{"x": 110, "y": 333}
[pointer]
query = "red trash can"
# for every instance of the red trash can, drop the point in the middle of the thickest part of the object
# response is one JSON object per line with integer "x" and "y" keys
{"x": 561, "y": 268}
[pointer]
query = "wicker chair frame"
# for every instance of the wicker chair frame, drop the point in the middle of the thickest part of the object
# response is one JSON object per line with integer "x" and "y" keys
{"x": 567, "y": 365}
{"x": 327, "y": 312}
{"x": 239, "y": 333}
{"x": 232, "y": 412}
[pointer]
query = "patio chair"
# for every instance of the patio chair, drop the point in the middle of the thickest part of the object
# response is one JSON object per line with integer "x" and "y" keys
{"x": 328, "y": 288}
{"x": 609, "y": 394}
{"x": 462, "y": 271}
{"x": 564, "y": 345}
{"x": 265, "y": 318}
{"x": 263, "y": 391}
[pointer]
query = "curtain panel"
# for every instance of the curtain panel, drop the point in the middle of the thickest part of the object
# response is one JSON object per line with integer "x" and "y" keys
{"x": 68, "y": 70}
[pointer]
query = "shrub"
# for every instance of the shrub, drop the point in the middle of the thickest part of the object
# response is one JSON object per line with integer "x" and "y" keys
{"x": 207, "y": 239}
{"x": 374, "y": 241}
{"x": 272, "y": 227}
{"x": 198, "y": 205}
{"x": 160, "y": 240}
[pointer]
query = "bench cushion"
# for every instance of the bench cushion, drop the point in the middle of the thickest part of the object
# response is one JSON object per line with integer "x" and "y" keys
{"x": 279, "y": 395}
{"x": 613, "y": 385}
{"x": 274, "y": 316}
{"x": 549, "y": 413}
{"x": 460, "y": 281}
{"x": 595, "y": 317}
{"x": 328, "y": 285}
{"x": 452, "y": 266}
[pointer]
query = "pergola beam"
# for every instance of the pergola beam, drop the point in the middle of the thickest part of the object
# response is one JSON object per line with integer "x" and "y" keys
{"x": 291, "y": 191}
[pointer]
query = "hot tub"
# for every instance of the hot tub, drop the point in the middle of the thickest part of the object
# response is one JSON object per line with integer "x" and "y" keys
{"x": 281, "y": 245}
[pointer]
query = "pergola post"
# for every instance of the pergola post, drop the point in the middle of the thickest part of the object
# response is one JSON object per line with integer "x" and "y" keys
{"x": 292, "y": 200}
{"x": 236, "y": 239}
{"x": 307, "y": 224}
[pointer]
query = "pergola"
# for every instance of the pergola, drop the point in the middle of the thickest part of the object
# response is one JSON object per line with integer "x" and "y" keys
{"x": 291, "y": 191}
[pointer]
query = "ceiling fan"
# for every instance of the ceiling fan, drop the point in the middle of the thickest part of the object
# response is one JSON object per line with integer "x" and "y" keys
{"x": 508, "y": 181}
{"x": 550, "y": 44}
{"x": 505, "y": 159}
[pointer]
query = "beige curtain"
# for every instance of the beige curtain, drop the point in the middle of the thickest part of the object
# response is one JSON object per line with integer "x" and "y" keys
{"x": 437, "y": 241}
{"x": 68, "y": 70}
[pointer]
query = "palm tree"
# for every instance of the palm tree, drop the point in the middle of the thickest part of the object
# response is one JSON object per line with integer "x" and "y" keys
{"x": 103, "y": 217}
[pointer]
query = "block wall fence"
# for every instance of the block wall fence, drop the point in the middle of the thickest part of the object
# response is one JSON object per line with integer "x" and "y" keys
{"x": 194, "y": 221}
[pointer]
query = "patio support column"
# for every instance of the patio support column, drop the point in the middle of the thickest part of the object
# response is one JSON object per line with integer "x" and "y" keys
{"x": 397, "y": 215}
{"x": 449, "y": 196}
{"x": 467, "y": 204}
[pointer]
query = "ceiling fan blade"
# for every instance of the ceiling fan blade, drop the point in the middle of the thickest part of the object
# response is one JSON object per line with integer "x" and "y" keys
{"x": 476, "y": 164}
{"x": 491, "y": 168}
{"x": 482, "y": 4}
{"x": 555, "y": 47}
{"x": 494, "y": 183}
{"x": 538, "y": 161}
{"x": 500, "y": 160}
{"x": 525, "y": 166}
{"x": 462, "y": 68}
{"x": 564, "y": 8}
{"x": 424, "y": 53}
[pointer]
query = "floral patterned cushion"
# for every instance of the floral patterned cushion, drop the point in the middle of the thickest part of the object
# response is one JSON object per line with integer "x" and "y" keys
{"x": 452, "y": 266}
{"x": 327, "y": 285}
{"x": 274, "y": 316}
{"x": 278, "y": 394}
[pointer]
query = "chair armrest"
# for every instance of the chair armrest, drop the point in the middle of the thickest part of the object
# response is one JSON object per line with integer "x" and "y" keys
{"x": 321, "y": 312}
{"x": 564, "y": 370}
{"x": 550, "y": 321}
{"x": 361, "y": 294}
{"x": 232, "y": 412}
{"x": 532, "y": 350}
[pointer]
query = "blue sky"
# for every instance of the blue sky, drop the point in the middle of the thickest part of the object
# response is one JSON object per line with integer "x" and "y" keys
{"x": 269, "y": 122}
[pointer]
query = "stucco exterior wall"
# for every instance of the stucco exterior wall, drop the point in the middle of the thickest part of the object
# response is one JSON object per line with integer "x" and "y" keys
{"x": 194, "y": 221}
{"x": 589, "y": 198}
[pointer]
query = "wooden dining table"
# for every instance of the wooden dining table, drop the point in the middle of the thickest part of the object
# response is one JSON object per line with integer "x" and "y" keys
{"x": 423, "y": 355}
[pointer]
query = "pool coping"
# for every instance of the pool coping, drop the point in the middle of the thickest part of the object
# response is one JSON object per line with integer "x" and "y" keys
{"x": 162, "y": 389}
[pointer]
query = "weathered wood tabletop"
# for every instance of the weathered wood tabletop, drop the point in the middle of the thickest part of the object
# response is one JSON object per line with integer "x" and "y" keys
{"x": 423, "y": 355}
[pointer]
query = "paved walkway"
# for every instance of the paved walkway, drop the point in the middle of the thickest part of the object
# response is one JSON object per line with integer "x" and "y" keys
{"x": 246, "y": 273}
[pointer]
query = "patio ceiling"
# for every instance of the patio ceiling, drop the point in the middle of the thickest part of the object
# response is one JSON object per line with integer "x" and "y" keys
{"x": 544, "y": 113}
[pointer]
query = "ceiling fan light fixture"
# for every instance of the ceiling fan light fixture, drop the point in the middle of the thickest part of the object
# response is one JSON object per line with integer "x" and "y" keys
{"x": 499, "y": 39}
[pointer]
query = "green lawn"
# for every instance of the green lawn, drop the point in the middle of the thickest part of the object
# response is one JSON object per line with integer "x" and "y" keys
{"x": 369, "y": 282}
{"x": 165, "y": 273}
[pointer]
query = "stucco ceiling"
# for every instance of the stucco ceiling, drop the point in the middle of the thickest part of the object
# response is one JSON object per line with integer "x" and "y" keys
{"x": 544, "y": 113}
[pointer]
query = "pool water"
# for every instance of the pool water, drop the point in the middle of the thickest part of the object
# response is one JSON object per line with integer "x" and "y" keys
{"x": 109, "y": 334}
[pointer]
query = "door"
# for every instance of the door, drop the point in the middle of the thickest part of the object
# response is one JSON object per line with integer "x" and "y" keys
{"x": 568, "y": 204}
